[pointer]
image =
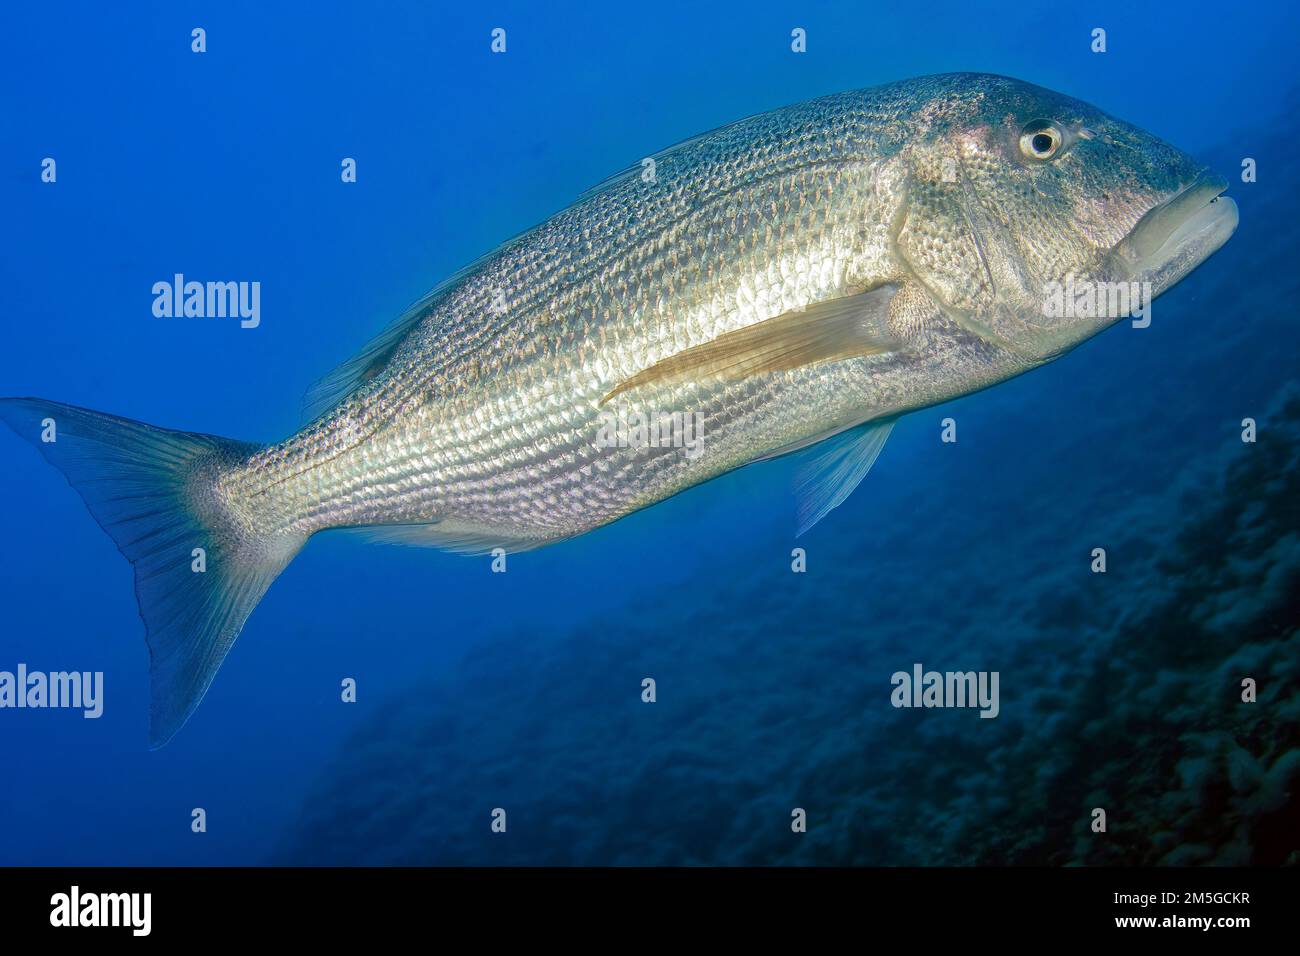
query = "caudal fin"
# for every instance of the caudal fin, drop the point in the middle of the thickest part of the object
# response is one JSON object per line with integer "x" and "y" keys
{"x": 155, "y": 492}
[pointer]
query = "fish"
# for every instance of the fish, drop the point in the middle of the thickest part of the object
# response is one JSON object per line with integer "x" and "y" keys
{"x": 793, "y": 282}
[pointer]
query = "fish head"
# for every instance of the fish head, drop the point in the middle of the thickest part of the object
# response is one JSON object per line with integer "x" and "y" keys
{"x": 1036, "y": 220}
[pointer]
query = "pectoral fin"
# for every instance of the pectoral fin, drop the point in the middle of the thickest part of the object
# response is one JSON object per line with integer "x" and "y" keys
{"x": 841, "y": 328}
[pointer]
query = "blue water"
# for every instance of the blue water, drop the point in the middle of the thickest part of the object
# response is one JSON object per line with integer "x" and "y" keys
{"x": 522, "y": 690}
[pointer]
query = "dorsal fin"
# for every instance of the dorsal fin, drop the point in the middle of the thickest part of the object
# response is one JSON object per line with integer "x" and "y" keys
{"x": 331, "y": 389}
{"x": 327, "y": 392}
{"x": 638, "y": 169}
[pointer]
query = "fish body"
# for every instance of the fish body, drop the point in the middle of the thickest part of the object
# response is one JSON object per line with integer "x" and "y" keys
{"x": 799, "y": 278}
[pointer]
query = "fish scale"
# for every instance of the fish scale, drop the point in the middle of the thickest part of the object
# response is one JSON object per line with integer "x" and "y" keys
{"x": 524, "y": 420}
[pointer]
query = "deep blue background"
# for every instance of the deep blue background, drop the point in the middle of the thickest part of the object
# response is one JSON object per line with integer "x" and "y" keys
{"x": 225, "y": 166}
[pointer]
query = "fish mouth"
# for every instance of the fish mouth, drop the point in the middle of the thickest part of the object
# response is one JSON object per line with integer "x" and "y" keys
{"x": 1176, "y": 236}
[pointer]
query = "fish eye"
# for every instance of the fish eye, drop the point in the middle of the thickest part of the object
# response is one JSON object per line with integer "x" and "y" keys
{"x": 1041, "y": 140}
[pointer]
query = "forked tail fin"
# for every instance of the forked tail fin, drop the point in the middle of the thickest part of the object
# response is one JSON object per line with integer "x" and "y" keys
{"x": 199, "y": 569}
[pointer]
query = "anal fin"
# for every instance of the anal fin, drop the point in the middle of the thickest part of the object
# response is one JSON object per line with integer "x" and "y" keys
{"x": 448, "y": 536}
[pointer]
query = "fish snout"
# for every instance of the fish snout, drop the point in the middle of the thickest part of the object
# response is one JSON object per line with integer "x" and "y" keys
{"x": 1180, "y": 233}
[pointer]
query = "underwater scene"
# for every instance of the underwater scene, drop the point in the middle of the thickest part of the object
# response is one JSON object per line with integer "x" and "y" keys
{"x": 1057, "y": 623}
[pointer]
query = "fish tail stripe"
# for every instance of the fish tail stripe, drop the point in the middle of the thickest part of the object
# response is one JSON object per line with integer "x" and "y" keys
{"x": 150, "y": 490}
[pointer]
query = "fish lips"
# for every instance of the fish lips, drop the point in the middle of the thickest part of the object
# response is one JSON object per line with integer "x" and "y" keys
{"x": 1178, "y": 235}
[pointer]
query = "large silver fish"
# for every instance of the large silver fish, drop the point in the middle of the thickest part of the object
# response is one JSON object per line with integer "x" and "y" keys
{"x": 801, "y": 276}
